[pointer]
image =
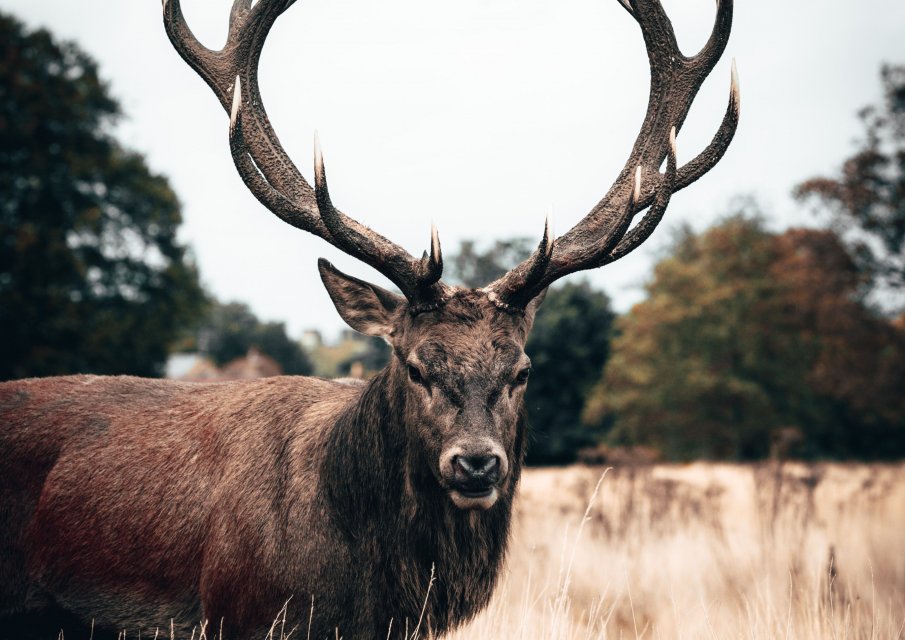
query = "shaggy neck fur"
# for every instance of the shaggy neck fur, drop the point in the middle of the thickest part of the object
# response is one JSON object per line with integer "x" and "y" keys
{"x": 399, "y": 522}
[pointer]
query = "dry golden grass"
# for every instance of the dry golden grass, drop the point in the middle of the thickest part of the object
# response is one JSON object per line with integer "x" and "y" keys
{"x": 705, "y": 551}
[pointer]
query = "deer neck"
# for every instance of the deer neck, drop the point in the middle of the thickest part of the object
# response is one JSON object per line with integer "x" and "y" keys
{"x": 398, "y": 519}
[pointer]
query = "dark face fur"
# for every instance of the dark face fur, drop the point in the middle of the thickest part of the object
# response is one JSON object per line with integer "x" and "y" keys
{"x": 463, "y": 370}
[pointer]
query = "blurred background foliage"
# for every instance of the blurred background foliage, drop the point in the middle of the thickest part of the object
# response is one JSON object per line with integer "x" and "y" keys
{"x": 747, "y": 332}
{"x": 749, "y": 341}
{"x": 92, "y": 276}
{"x": 866, "y": 199}
{"x": 229, "y": 331}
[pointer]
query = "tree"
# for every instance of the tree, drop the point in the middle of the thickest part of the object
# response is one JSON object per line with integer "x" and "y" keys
{"x": 474, "y": 268}
{"x": 568, "y": 346}
{"x": 230, "y": 330}
{"x": 744, "y": 333}
{"x": 92, "y": 276}
{"x": 867, "y": 197}
{"x": 859, "y": 358}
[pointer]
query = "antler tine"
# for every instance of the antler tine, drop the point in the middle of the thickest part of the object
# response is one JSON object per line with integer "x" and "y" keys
{"x": 248, "y": 29}
{"x": 238, "y": 11}
{"x": 432, "y": 265}
{"x": 675, "y": 81}
{"x": 713, "y": 153}
{"x": 285, "y": 209}
{"x": 415, "y": 278}
{"x": 615, "y": 234}
{"x": 532, "y": 273}
{"x": 627, "y": 6}
{"x": 713, "y": 50}
{"x": 641, "y": 232}
{"x": 263, "y": 164}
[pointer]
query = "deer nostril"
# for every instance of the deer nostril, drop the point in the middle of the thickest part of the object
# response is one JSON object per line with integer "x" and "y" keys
{"x": 477, "y": 467}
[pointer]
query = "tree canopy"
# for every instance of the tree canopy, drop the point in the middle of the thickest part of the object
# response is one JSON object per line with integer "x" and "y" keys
{"x": 867, "y": 196}
{"x": 92, "y": 275}
{"x": 568, "y": 347}
{"x": 745, "y": 333}
{"x": 475, "y": 268}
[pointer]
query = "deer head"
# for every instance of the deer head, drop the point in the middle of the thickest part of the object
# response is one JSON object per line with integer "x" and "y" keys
{"x": 458, "y": 354}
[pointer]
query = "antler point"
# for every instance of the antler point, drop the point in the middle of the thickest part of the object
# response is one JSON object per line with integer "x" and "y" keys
{"x": 237, "y": 100}
{"x": 735, "y": 86}
{"x": 636, "y": 192}
{"x": 548, "y": 231}
{"x": 318, "y": 158}
{"x": 436, "y": 254}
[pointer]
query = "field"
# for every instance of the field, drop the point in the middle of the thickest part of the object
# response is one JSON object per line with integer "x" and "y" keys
{"x": 705, "y": 551}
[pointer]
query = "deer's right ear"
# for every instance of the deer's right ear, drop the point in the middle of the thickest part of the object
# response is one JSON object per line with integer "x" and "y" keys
{"x": 365, "y": 307}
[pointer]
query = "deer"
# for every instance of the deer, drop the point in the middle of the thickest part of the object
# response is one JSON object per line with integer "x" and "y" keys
{"x": 379, "y": 508}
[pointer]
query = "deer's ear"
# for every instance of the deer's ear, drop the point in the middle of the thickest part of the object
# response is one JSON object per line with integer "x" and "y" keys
{"x": 364, "y": 306}
{"x": 532, "y": 307}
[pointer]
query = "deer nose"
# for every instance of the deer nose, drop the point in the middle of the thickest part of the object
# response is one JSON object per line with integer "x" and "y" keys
{"x": 476, "y": 468}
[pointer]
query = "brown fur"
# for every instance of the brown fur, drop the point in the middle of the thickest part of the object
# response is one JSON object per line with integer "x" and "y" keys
{"x": 132, "y": 502}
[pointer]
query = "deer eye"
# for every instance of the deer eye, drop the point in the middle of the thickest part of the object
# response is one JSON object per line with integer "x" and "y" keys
{"x": 415, "y": 375}
{"x": 522, "y": 376}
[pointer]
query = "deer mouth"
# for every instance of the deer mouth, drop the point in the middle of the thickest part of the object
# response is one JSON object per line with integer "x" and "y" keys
{"x": 474, "y": 498}
{"x": 473, "y": 492}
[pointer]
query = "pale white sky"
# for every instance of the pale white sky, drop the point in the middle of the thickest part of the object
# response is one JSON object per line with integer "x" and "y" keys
{"x": 477, "y": 114}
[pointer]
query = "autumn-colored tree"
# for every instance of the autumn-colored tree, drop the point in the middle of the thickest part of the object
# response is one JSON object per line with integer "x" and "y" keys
{"x": 867, "y": 197}
{"x": 859, "y": 360}
{"x": 744, "y": 333}
{"x": 92, "y": 276}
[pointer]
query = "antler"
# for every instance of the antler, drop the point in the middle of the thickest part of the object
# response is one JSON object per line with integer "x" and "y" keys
{"x": 264, "y": 165}
{"x": 603, "y": 235}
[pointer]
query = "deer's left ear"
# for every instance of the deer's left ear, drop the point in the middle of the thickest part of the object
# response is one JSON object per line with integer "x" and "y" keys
{"x": 365, "y": 307}
{"x": 532, "y": 307}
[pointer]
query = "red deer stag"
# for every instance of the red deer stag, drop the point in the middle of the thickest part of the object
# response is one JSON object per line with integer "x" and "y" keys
{"x": 132, "y": 502}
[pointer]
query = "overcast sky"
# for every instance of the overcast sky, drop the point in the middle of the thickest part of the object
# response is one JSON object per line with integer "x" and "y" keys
{"x": 477, "y": 114}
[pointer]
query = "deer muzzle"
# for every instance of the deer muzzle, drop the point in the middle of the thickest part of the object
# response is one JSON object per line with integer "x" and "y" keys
{"x": 472, "y": 473}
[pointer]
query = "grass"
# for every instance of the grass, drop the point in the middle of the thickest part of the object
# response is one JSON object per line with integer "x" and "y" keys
{"x": 705, "y": 551}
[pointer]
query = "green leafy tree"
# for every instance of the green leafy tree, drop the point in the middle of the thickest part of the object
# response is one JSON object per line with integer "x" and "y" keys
{"x": 867, "y": 197}
{"x": 230, "y": 330}
{"x": 568, "y": 346}
{"x": 744, "y": 333}
{"x": 475, "y": 268}
{"x": 92, "y": 277}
